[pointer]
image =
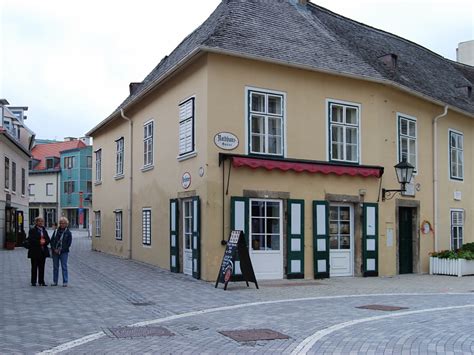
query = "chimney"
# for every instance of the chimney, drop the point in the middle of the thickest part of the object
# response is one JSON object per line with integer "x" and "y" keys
{"x": 133, "y": 87}
{"x": 85, "y": 140}
{"x": 389, "y": 61}
{"x": 70, "y": 139}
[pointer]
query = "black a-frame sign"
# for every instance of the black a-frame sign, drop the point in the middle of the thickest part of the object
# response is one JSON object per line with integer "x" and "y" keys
{"x": 236, "y": 245}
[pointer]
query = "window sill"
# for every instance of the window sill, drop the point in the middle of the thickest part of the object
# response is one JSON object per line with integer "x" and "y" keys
{"x": 119, "y": 177}
{"x": 13, "y": 192}
{"x": 186, "y": 156}
{"x": 118, "y": 240}
{"x": 147, "y": 168}
{"x": 146, "y": 246}
{"x": 97, "y": 183}
{"x": 97, "y": 236}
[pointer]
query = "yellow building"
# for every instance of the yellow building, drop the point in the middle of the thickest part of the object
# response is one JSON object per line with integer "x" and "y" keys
{"x": 285, "y": 120}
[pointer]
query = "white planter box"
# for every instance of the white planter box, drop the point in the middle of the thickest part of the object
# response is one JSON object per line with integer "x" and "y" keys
{"x": 456, "y": 267}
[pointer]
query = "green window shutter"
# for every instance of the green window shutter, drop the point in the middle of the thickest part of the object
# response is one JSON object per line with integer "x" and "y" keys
{"x": 321, "y": 239}
{"x": 239, "y": 220}
{"x": 174, "y": 236}
{"x": 370, "y": 242}
{"x": 196, "y": 242}
{"x": 295, "y": 243}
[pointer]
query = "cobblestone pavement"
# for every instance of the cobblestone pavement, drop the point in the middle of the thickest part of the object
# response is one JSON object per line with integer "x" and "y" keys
{"x": 318, "y": 316}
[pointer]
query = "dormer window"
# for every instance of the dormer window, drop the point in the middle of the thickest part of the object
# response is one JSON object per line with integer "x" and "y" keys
{"x": 50, "y": 163}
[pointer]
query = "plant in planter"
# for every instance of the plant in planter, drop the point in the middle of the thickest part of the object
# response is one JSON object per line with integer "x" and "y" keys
{"x": 10, "y": 241}
{"x": 453, "y": 262}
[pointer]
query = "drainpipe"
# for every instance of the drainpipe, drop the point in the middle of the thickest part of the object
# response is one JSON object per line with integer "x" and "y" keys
{"x": 435, "y": 173}
{"x": 130, "y": 189}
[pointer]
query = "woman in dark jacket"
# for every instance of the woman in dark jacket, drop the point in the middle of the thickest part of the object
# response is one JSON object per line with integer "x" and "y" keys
{"x": 38, "y": 240}
{"x": 60, "y": 244}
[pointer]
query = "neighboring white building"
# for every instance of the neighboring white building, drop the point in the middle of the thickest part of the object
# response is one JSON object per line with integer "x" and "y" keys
{"x": 465, "y": 52}
{"x": 15, "y": 144}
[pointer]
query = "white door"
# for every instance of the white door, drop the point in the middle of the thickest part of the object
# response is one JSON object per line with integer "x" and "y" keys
{"x": 187, "y": 237}
{"x": 341, "y": 240}
{"x": 266, "y": 238}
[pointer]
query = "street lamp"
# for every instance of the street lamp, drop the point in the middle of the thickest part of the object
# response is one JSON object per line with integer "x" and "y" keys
{"x": 404, "y": 171}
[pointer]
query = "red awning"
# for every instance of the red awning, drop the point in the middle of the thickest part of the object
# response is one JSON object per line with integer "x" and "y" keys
{"x": 299, "y": 167}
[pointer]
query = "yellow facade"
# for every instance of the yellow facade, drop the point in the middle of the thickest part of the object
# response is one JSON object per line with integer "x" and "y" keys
{"x": 219, "y": 85}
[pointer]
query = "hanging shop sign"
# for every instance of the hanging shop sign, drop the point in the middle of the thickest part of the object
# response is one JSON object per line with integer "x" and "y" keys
{"x": 226, "y": 141}
{"x": 186, "y": 180}
{"x": 236, "y": 250}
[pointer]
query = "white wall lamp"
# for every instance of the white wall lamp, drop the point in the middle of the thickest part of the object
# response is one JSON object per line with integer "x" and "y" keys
{"x": 404, "y": 171}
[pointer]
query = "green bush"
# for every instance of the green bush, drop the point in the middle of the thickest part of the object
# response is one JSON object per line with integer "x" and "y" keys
{"x": 468, "y": 247}
{"x": 454, "y": 254}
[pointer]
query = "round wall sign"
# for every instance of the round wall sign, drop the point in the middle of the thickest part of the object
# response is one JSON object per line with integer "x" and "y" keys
{"x": 186, "y": 180}
{"x": 226, "y": 140}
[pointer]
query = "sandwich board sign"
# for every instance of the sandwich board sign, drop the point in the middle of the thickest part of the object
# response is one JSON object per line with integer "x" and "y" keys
{"x": 236, "y": 245}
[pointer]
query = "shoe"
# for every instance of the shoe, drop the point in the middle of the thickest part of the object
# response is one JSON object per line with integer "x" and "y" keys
{"x": 33, "y": 284}
{"x": 64, "y": 285}
{"x": 43, "y": 284}
{"x": 54, "y": 284}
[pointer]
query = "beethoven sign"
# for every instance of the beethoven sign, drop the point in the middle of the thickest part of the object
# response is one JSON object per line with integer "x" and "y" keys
{"x": 226, "y": 141}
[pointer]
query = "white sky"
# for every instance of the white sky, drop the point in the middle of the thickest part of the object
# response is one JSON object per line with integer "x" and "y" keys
{"x": 71, "y": 61}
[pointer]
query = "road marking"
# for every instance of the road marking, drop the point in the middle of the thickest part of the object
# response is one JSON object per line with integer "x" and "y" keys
{"x": 309, "y": 342}
{"x": 98, "y": 335}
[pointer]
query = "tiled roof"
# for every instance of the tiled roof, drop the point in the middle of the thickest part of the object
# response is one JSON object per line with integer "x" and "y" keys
{"x": 315, "y": 38}
{"x": 42, "y": 151}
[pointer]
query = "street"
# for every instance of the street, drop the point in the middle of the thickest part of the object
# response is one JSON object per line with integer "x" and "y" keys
{"x": 179, "y": 314}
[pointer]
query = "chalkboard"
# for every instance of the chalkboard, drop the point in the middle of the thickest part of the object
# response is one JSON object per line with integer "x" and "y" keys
{"x": 236, "y": 245}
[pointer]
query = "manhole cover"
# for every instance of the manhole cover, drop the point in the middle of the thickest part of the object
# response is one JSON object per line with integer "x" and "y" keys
{"x": 135, "y": 332}
{"x": 253, "y": 334}
{"x": 381, "y": 307}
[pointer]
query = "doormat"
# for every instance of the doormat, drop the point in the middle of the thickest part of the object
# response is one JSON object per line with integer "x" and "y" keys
{"x": 381, "y": 307}
{"x": 244, "y": 335}
{"x": 136, "y": 332}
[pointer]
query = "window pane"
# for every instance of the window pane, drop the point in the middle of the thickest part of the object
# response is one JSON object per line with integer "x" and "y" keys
{"x": 333, "y": 228}
{"x": 273, "y": 225}
{"x": 345, "y": 228}
{"x": 336, "y": 151}
{"x": 345, "y": 214}
{"x": 351, "y": 115}
{"x": 337, "y": 134}
{"x": 258, "y": 225}
{"x": 403, "y": 127}
{"x": 258, "y": 208}
{"x": 274, "y": 126}
{"x": 274, "y": 145}
{"x": 258, "y": 124}
{"x": 333, "y": 242}
{"x": 345, "y": 242}
{"x": 258, "y": 242}
{"x": 351, "y": 152}
{"x": 273, "y": 209}
{"x": 460, "y": 141}
{"x": 452, "y": 140}
{"x": 336, "y": 113}
{"x": 257, "y": 143}
{"x": 333, "y": 213}
{"x": 258, "y": 102}
{"x": 412, "y": 129}
{"x": 273, "y": 242}
{"x": 351, "y": 135}
{"x": 274, "y": 105}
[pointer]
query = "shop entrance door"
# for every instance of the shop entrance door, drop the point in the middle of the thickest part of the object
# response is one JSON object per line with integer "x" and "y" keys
{"x": 266, "y": 238}
{"x": 341, "y": 240}
{"x": 187, "y": 237}
{"x": 405, "y": 245}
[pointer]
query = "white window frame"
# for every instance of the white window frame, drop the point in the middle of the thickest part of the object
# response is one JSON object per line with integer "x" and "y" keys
{"x": 460, "y": 150}
{"x": 48, "y": 192}
{"x": 280, "y": 218}
{"x": 146, "y": 226}
{"x": 98, "y": 223}
{"x": 358, "y": 107}
{"x": 7, "y": 173}
{"x": 31, "y": 189}
{"x": 148, "y": 143}
{"x": 248, "y": 127}
{"x": 119, "y": 156}
{"x": 69, "y": 162}
{"x": 118, "y": 225}
{"x": 187, "y": 153}
{"x": 459, "y": 226}
{"x": 400, "y": 116}
{"x": 98, "y": 165}
{"x": 13, "y": 168}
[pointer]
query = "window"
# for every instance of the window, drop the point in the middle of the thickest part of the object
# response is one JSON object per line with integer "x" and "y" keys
{"x": 13, "y": 176}
{"x": 186, "y": 127}
{"x": 457, "y": 229}
{"x": 119, "y": 157}
{"x": 7, "y": 173}
{"x": 68, "y": 187}
{"x": 89, "y": 187}
{"x": 148, "y": 144}
{"x": 266, "y": 122}
{"x": 49, "y": 163}
{"x": 49, "y": 189}
{"x": 266, "y": 224}
{"x": 68, "y": 162}
{"x": 146, "y": 226}
{"x": 343, "y": 132}
{"x": 31, "y": 189}
{"x": 98, "y": 165}
{"x": 407, "y": 140}
{"x": 339, "y": 227}
{"x": 97, "y": 223}
{"x": 118, "y": 225}
{"x": 89, "y": 162}
{"x": 23, "y": 181}
{"x": 456, "y": 155}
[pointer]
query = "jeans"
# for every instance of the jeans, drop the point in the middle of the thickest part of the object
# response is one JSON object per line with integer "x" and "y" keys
{"x": 63, "y": 258}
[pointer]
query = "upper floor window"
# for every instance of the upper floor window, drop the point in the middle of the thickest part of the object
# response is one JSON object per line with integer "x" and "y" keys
{"x": 89, "y": 161}
{"x": 457, "y": 229}
{"x": 266, "y": 123}
{"x": 68, "y": 187}
{"x": 98, "y": 165}
{"x": 186, "y": 127}
{"x": 31, "y": 189}
{"x": 456, "y": 155}
{"x": 344, "y": 132}
{"x": 119, "y": 156}
{"x": 68, "y": 162}
{"x": 407, "y": 146}
{"x": 49, "y": 189}
{"x": 146, "y": 226}
{"x": 148, "y": 144}
{"x": 49, "y": 163}
{"x": 23, "y": 181}
{"x": 13, "y": 176}
{"x": 7, "y": 173}
{"x": 89, "y": 187}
